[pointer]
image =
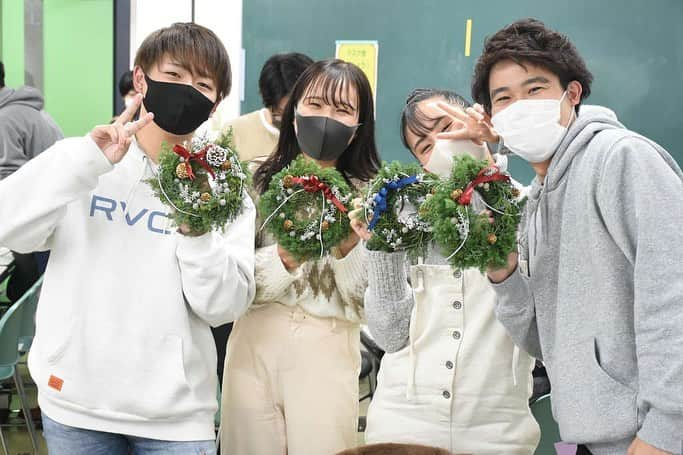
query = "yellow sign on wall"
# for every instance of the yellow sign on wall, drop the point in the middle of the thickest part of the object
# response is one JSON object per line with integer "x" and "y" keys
{"x": 362, "y": 54}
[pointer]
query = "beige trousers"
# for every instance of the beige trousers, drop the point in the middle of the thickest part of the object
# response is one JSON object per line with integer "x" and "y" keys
{"x": 290, "y": 384}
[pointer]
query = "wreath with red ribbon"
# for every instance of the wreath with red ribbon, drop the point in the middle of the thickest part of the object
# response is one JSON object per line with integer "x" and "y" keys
{"x": 203, "y": 183}
{"x": 460, "y": 212}
{"x": 305, "y": 208}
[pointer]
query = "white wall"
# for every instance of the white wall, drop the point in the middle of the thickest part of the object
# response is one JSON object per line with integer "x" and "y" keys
{"x": 223, "y": 17}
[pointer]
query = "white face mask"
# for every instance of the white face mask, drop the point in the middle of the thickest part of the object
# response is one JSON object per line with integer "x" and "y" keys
{"x": 441, "y": 160}
{"x": 531, "y": 128}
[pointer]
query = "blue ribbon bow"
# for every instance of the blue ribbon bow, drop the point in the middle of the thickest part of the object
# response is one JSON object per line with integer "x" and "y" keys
{"x": 380, "y": 199}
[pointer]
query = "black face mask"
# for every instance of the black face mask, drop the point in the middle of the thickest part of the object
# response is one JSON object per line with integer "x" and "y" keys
{"x": 323, "y": 138}
{"x": 178, "y": 108}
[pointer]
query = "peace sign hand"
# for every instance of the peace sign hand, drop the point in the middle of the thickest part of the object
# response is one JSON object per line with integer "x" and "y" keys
{"x": 474, "y": 122}
{"x": 115, "y": 139}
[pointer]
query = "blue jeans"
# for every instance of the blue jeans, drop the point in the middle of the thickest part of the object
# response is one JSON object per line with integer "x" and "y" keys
{"x": 65, "y": 440}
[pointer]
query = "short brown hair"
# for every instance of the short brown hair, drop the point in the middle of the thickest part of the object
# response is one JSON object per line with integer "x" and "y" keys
{"x": 530, "y": 41}
{"x": 193, "y": 45}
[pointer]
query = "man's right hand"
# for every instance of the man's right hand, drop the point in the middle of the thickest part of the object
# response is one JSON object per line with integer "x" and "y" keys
{"x": 115, "y": 139}
{"x": 501, "y": 274}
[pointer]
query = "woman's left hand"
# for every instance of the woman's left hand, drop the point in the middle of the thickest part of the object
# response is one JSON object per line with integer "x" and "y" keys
{"x": 358, "y": 223}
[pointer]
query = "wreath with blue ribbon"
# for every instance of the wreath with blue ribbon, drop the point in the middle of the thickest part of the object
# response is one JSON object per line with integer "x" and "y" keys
{"x": 392, "y": 208}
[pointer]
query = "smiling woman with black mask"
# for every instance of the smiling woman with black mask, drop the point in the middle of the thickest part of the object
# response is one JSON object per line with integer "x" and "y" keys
{"x": 291, "y": 373}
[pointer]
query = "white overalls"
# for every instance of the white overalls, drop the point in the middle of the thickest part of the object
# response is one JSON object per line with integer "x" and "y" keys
{"x": 461, "y": 384}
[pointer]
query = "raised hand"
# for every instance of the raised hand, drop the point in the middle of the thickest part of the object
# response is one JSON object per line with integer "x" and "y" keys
{"x": 475, "y": 124}
{"x": 114, "y": 140}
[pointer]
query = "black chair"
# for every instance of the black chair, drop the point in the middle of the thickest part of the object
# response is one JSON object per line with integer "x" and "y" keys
{"x": 371, "y": 357}
{"x": 541, "y": 382}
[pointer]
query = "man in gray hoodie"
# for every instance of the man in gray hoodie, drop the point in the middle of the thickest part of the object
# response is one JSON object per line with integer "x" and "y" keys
{"x": 594, "y": 291}
{"x": 25, "y": 129}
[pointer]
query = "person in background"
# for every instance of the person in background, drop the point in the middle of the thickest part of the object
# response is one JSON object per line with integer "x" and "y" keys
{"x": 256, "y": 133}
{"x": 26, "y": 130}
{"x": 127, "y": 92}
{"x": 126, "y": 88}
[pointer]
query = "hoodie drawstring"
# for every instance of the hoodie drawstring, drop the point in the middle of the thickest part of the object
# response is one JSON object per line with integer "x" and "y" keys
{"x": 515, "y": 360}
{"x": 133, "y": 189}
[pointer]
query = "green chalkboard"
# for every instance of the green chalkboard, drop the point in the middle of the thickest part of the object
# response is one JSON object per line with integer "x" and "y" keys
{"x": 633, "y": 47}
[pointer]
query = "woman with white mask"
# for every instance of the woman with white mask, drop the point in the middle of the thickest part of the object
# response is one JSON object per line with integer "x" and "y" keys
{"x": 451, "y": 377}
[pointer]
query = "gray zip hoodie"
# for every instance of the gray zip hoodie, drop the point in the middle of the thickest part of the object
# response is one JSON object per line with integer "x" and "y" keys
{"x": 25, "y": 129}
{"x": 596, "y": 295}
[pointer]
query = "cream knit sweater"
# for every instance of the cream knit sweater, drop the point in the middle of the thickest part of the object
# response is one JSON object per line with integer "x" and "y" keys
{"x": 326, "y": 288}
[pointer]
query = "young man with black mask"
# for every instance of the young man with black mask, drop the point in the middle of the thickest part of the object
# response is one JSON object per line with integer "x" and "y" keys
{"x": 123, "y": 356}
{"x": 592, "y": 291}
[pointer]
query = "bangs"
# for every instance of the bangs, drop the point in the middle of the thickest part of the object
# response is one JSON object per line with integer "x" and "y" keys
{"x": 338, "y": 90}
{"x": 191, "y": 46}
{"x": 418, "y": 122}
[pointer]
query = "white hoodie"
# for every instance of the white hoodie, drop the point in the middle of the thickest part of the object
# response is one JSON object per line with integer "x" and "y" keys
{"x": 123, "y": 342}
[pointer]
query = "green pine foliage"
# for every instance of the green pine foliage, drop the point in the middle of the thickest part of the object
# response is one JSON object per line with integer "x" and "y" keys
{"x": 391, "y": 234}
{"x": 185, "y": 194}
{"x": 293, "y": 216}
{"x": 444, "y": 215}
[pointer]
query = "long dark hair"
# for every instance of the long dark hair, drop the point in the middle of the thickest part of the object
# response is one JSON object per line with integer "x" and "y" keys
{"x": 360, "y": 159}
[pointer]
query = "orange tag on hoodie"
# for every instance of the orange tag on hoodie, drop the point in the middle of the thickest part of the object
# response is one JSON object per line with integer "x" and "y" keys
{"x": 55, "y": 382}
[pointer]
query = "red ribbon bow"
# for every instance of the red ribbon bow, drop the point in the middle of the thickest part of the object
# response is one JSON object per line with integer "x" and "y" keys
{"x": 199, "y": 157}
{"x": 313, "y": 184}
{"x": 489, "y": 174}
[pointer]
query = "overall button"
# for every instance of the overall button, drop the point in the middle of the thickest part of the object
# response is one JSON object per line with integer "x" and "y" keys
{"x": 457, "y": 305}
{"x": 449, "y": 365}
{"x": 446, "y": 394}
{"x": 457, "y": 274}
{"x": 456, "y": 335}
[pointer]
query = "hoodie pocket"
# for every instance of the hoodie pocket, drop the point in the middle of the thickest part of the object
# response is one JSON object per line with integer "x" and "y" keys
{"x": 588, "y": 404}
{"x": 132, "y": 376}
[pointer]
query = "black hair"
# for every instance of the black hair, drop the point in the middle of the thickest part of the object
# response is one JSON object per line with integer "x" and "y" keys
{"x": 2, "y": 75}
{"x": 279, "y": 74}
{"x": 126, "y": 83}
{"x": 413, "y": 119}
{"x": 530, "y": 41}
{"x": 334, "y": 78}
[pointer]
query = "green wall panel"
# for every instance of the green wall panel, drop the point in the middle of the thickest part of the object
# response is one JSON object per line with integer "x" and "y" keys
{"x": 79, "y": 54}
{"x": 633, "y": 47}
{"x": 12, "y": 30}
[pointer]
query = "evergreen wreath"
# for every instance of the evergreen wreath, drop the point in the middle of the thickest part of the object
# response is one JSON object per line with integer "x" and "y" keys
{"x": 182, "y": 182}
{"x": 457, "y": 214}
{"x": 391, "y": 208}
{"x": 305, "y": 208}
